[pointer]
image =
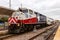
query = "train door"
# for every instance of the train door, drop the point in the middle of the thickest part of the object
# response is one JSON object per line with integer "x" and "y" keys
{"x": 38, "y": 17}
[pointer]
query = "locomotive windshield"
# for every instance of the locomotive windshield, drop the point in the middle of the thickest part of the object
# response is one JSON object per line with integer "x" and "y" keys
{"x": 15, "y": 14}
{"x": 25, "y": 11}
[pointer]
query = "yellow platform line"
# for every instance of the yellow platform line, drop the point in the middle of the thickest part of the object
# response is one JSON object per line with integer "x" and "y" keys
{"x": 57, "y": 35}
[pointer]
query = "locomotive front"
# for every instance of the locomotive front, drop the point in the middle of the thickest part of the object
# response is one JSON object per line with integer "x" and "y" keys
{"x": 22, "y": 21}
{"x": 14, "y": 22}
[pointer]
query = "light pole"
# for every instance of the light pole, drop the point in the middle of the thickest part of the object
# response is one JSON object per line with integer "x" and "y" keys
{"x": 10, "y": 4}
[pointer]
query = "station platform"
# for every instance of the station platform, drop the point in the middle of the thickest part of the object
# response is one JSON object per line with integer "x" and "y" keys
{"x": 2, "y": 32}
{"x": 57, "y": 35}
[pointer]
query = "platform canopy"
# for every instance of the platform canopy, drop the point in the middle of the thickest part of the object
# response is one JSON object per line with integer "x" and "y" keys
{"x": 6, "y": 11}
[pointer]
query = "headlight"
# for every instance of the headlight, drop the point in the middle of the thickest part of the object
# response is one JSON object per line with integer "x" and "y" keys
{"x": 18, "y": 24}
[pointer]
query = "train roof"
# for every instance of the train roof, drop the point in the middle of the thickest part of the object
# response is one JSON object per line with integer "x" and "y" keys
{"x": 39, "y": 14}
{"x": 24, "y": 9}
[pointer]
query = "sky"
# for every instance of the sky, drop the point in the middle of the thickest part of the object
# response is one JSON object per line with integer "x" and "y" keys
{"x": 50, "y": 8}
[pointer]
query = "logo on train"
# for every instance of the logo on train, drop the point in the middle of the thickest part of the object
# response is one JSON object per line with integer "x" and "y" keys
{"x": 12, "y": 20}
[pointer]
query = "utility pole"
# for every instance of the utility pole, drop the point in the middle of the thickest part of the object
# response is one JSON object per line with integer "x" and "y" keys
{"x": 10, "y": 4}
{"x": 21, "y": 5}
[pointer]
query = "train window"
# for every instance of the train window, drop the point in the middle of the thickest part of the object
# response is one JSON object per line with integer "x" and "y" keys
{"x": 29, "y": 15}
{"x": 30, "y": 11}
{"x": 17, "y": 14}
{"x": 42, "y": 18}
{"x": 26, "y": 15}
{"x": 25, "y": 11}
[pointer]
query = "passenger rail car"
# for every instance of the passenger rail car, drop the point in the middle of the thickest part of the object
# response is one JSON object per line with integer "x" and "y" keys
{"x": 25, "y": 21}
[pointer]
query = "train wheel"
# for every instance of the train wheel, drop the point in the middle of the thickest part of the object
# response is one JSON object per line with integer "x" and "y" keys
{"x": 22, "y": 29}
{"x": 38, "y": 26}
{"x": 11, "y": 31}
{"x": 29, "y": 27}
{"x": 32, "y": 27}
{"x": 17, "y": 31}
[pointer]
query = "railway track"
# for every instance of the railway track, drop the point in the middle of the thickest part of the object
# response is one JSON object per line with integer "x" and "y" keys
{"x": 45, "y": 35}
{"x": 6, "y": 36}
{"x": 42, "y": 32}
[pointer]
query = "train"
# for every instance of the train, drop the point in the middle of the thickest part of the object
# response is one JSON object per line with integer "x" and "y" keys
{"x": 26, "y": 20}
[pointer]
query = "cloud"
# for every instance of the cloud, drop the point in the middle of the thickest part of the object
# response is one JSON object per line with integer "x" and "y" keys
{"x": 50, "y": 8}
{"x": 4, "y": 3}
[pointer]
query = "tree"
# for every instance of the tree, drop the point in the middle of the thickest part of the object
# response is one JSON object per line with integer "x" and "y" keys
{"x": 4, "y": 19}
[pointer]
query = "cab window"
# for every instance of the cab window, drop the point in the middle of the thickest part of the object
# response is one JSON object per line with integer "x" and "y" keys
{"x": 26, "y": 15}
{"x": 31, "y": 12}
